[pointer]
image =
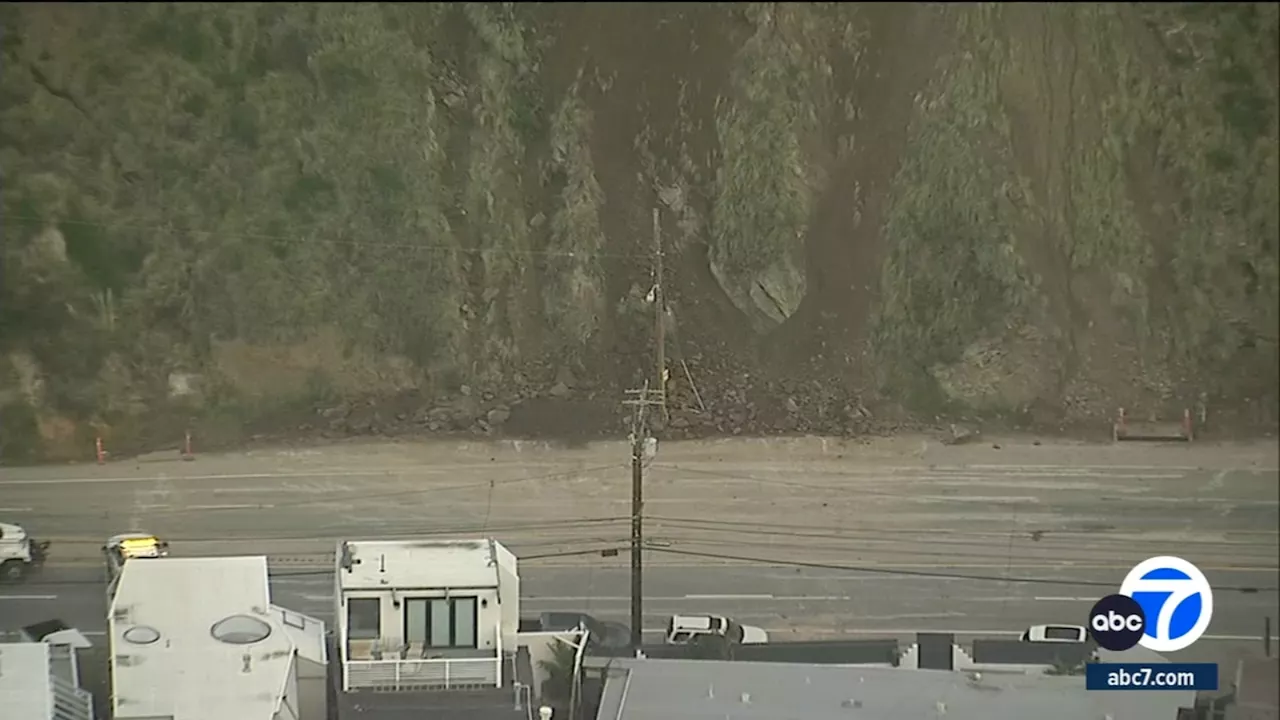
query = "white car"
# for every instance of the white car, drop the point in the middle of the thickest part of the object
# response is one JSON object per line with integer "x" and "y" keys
{"x": 684, "y": 629}
{"x": 129, "y": 546}
{"x": 1056, "y": 634}
{"x": 19, "y": 554}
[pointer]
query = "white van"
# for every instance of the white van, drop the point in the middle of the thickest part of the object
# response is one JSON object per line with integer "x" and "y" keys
{"x": 684, "y": 629}
{"x": 1055, "y": 634}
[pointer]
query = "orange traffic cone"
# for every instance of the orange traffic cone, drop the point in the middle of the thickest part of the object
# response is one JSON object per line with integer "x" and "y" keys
{"x": 187, "y": 454}
{"x": 102, "y": 454}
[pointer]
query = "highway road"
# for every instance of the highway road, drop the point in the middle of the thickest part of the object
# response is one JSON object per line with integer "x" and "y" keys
{"x": 807, "y": 538}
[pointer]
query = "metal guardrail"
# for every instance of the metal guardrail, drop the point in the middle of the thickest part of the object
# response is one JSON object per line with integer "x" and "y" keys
{"x": 437, "y": 673}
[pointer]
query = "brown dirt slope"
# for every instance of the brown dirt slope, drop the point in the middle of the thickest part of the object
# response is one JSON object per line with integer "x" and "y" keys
{"x": 438, "y": 217}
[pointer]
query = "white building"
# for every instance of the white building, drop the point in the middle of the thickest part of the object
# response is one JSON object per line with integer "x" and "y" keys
{"x": 38, "y": 681}
{"x": 426, "y": 614}
{"x": 198, "y": 639}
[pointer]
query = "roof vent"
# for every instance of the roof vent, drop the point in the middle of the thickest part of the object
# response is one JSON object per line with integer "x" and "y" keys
{"x": 746, "y": 698}
{"x": 141, "y": 635}
{"x": 851, "y": 703}
{"x": 240, "y": 630}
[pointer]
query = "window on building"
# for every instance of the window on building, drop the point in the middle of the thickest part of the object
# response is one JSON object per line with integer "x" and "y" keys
{"x": 1069, "y": 634}
{"x": 441, "y": 622}
{"x": 364, "y": 618}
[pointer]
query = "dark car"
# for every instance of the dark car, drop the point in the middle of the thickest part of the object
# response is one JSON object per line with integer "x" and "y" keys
{"x": 603, "y": 634}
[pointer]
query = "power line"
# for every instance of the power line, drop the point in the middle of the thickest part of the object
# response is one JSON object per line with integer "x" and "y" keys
{"x": 296, "y": 240}
{"x": 641, "y": 401}
{"x": 941, "y": 556}
{"x": 601, "y": 549}
{"x": 409, "y": 532}
{"x": 842, "y": 489}
{"x": 1042, "y": 536}
{"x": 904, "y": 572}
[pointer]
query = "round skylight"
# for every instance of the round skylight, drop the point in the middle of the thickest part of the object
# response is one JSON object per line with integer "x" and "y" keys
{"x": 141, "y": 635}
{"x": 240, "y": 630}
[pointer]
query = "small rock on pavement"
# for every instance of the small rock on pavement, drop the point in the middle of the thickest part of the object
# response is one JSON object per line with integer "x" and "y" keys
{"x": 559, "y": 390}
{"x": 498, "y": 415}
{"x": 960, "y": 434}
{"x": 564, "y": 376}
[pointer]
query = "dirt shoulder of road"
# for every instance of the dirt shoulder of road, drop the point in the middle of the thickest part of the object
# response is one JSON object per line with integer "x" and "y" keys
{"x": 902, "y": 448}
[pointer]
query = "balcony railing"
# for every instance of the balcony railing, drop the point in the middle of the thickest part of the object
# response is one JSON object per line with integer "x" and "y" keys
{"x": 411, "y": 671}
{"x": 70, "y": 702}
{"x": 433, "y": 674}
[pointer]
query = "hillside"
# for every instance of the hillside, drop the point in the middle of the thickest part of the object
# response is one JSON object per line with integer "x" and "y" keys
{"x": 232, "y": 216}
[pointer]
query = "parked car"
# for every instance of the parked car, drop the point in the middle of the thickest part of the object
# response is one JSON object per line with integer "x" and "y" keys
{"x": 603, "y": 634}
{"x": 684, "y": 629}
{"x": 1056, "y": 634}
{"x": 20, "y": 555}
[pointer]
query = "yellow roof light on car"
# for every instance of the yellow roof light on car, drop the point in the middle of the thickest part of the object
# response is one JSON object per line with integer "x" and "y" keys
{"x": 140, "y": 547}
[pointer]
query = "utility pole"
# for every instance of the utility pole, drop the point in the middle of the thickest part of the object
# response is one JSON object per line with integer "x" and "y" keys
{"x": 641, "y": 401}
{"x": 660, "y": 314}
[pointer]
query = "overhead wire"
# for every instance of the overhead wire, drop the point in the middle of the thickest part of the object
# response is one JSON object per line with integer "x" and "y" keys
{"x": 898, "y": 554}
{"x": 1046, "y": 538}
{"x": 907, "y": 572}
{"x": 775, "y": 482}
{"x": 604, "y": 547}
{"x": 416, "y": 530}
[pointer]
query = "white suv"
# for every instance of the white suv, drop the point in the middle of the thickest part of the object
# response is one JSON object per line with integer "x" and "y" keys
{"x": 684, "y": 629}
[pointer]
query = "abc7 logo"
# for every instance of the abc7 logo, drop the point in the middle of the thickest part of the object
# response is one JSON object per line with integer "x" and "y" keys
{"x": 1117, "y": 622}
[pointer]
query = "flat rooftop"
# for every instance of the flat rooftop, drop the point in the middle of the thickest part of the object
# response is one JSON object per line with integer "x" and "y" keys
{"x": 423, "y": 563}
{"x": 24, "y": 680}
{"x": 194, "y": 639}
{"x": 712, "y": 690}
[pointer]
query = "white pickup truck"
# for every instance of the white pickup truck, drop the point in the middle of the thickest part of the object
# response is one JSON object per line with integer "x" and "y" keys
{"x": 1056, "y": 634}
{"x": 19, "y": 554}
{"x": 684, "y": 629}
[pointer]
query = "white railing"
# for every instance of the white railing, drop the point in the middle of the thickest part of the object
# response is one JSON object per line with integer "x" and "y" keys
{"x": 70, "y": 702}
{"x": 435, "y": 673}
{"x": 478, "y": 668}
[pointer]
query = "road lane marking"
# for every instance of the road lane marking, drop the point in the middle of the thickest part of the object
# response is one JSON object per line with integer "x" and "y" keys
{"x": 1079, "y": 468}
{"x": 1065, "y": 599}
{"x": 1233, "y": 502}
{"x": 16, "y": 509}
{"x": 729, "y": 597}
{"x": 317, "y": 474}
{"x": 28, "y": 597}
{"x": 155, "y": 478}
{"x": 229, "y": 507}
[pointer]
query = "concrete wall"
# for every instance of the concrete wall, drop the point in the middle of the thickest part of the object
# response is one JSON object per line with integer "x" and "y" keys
{"x": 540, "y": 646}
{"x": 509, "y": 595}
{"x": 313, "y": 702}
